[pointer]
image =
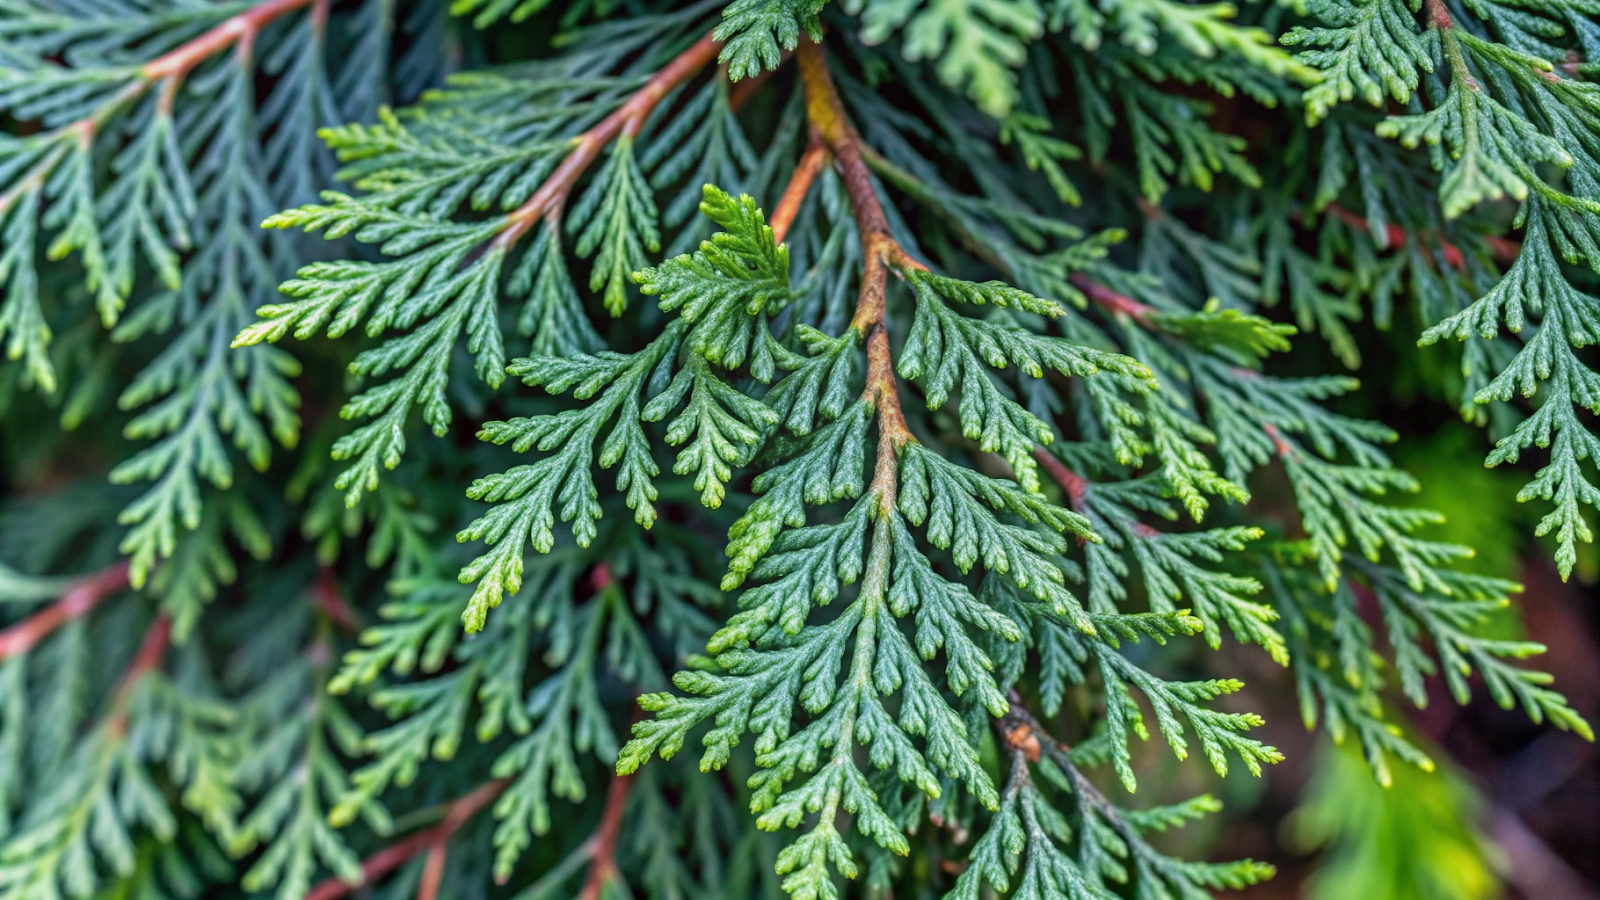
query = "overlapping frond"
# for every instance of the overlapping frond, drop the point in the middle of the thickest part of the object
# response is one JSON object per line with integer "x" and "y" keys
{"x": 962, "y": 346}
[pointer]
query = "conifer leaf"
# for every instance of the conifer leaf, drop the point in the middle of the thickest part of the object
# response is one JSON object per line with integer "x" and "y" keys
{"x": 84, "y": 825}
{"x": 1041, "y": 152}
{"x": 1062, "y": 227}
{"x": 615, "y": 222}
{"x": 722, "y": 295}
{"x": 754, "y": 31}
{"x": 1174, "y": 567}
{"x": 526, "y": 497}
{"x": 975, "y": 44}
{"x": 1251, "y": 337}
{"x": 729, "y": 288}
{"x": 946, "y": 351}
{"x": 296, "y": 761}
{"x": 1366, "y": 50}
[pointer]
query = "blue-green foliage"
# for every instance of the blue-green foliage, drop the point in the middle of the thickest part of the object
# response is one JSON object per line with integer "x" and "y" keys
{"x": 824, "y": 523}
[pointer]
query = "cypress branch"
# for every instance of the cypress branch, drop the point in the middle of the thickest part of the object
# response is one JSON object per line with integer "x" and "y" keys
{"x": 78, "y": 601}
{"x": 958, "y": 328}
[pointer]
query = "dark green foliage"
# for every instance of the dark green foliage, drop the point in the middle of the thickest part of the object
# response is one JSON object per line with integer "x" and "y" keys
{"x": 887, "y": 502}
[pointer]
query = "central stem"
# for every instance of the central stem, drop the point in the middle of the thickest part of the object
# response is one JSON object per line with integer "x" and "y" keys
{"x": 397, "y": 854}
{"x": 879, "y": 250}
{"x": 242, "y": 27}
{"x": 627, "y": 120}
{"x": 604, "y": 867}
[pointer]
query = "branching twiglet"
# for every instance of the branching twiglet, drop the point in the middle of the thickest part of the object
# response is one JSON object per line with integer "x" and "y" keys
{"x": 841, "y": 390}
{"x": 430, "y": 841}
{"x": 626, "y": 121}
{"x": 77, "y": 602}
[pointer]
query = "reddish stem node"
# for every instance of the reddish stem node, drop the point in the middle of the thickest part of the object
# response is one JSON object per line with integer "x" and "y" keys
{"x": 432, "y": 872}
{"x": 397, "y": 854}
{"x": 76, "y": 603}
{"x": 330, "y": 601}
{"x": 179, "y": 61}
{"x": 601, "y": 577}
{"x": 1112, "y": 301}
{"x": 626, "y": 119}
{"x": 1279, "y": 445}
{"x": 832, "y": 127}
{"x": 806, "y": 172}
{"x": 1071, "y": 482}
{"x": 1438, "y": 16}
{"x": 151, "y": 654}
{"x": 604, "y": 866}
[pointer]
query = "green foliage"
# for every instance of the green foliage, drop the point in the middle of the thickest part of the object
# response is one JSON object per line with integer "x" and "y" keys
{"x": 754, "y": 31}
{"x": 296, "y": 758}
{"x": 1503, "y": 107}
{"x": 1025, "y": 853}
{"x": 162, "y": 207}
{"x": 723, "y": 295}
{"x": 104, "y": 793}
{"x": 1368, "y": 50}
{"x": 1382, "y": 857}
{"x": 945, "y": 350}
{"x": 977, "y": 367}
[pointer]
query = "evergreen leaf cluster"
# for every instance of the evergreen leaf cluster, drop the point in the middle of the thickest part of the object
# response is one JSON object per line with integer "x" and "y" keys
{"x": 863, "y": 426}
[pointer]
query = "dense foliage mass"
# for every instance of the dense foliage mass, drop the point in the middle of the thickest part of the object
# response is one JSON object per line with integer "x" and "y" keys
{"x": 868, "y": 403}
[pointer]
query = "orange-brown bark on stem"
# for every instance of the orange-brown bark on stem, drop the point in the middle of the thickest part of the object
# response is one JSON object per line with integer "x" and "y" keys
{"x": 626, "y": 119}
{"x": 880, "y": 251}
{"x": 603, "y": 868}
{"x": 77, "y": 602}
{"x": 1071, "y": 482}
{"x": 180, "y": 60}
{"x": 1112, "y": 301}
{"x": 427, "y": 841}
{"x": 806, "y": 172}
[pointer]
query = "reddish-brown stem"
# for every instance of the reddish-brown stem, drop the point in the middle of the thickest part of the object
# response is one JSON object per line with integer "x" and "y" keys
{"x": 829, "y": 123}
{"x": 1071, "y": 482}
{"x": 892, "y": 430}
{"x": 626, "y": 119}
{"x": 1021, "y": 737}
{"x": 881, "y": 251}
{"x": 169, "y": 70}
{"x": 1146, "y": 531}
{"x": 1438, "y": 16}
{"x": 1397, "y": 236}
{"x": 432, "y": 872}
{"x": 1505, "y": 250}
{"x": 330, "y": 601}
{"x": 1279, "y": 445}
{"x": 1151, "y": 211}
{"x": 77, "y": 602}
{"x": 1077, "y": 489}
{"x": 1022, "y": 732}
{"x": 149, "y": 657}
{"x": 601, "y": 577}
{"x": 806, "y": 172}
{"x": 397, "y": 854}
{"x": 604, "y": 842}
{"x": 152, "y": 650}
{"x": 1112, "y": 301}
{"x": 177, "y": 62}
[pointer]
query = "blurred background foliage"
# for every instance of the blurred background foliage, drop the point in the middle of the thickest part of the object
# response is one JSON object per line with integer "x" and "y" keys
{"x": 1516, "y": 815}
{"x": 1513, "y": 814}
